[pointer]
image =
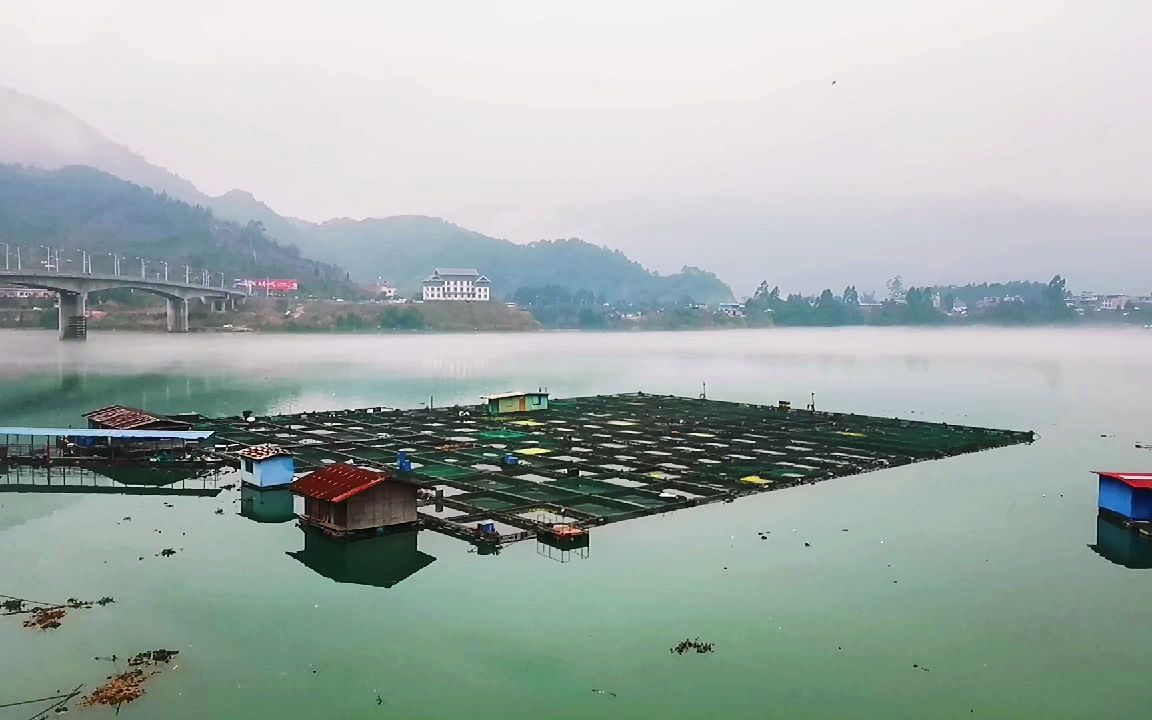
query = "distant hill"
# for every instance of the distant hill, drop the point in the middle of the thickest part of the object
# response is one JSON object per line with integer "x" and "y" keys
{"x": 81, "y": 207}
{"x": 402, "y": 249}
{"x": 36, "y": 132}
{"x": 406, "y": 248}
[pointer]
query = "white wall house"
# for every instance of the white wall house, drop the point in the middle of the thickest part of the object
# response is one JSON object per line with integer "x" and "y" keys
{"x": 457, "y": 284}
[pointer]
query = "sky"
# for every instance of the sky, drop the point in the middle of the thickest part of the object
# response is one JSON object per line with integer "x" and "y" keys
{"x": 808, "y": 144}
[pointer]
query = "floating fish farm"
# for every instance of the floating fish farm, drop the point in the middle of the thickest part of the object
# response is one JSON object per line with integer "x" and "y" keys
{"x": 593, "y": 460}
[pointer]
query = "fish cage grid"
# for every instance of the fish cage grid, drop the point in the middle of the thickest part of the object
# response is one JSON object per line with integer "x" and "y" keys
{"x": 603, "y": 458}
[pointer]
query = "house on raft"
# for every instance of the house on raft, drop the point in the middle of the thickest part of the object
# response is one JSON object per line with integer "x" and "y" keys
{"x": 266, "y": 466}
{"x": 516, "y": 402}
{"x": 343, "y": 500}
{"x": 121, "y": 417}
{"x": 134, "y": 424}
{"x": 1127, "y": 495}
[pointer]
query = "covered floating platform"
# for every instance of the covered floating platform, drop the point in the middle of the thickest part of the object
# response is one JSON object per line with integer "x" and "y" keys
{"x": 1125, "y": 500}
{"x": 103, "y": 460}
{"x": 593, "y": 460}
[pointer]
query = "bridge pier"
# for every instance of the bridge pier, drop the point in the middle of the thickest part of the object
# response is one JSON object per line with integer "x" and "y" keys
{"x": 73, "y": 321}
{"x": 177, "y": 315}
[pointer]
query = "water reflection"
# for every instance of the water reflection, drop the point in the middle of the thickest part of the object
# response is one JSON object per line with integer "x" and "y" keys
{"x": 1122, "y": 546}
{"x": 266, "y": 506}
{"x": 380, "y": 561}
{"x": 114, "y": 479}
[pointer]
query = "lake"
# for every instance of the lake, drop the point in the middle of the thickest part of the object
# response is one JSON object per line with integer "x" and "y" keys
{"x": 964, "y": 587}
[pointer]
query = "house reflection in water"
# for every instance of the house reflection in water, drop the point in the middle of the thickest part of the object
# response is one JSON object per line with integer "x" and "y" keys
{"x": 380, "y": 561}
{"x": 1122, "y": 545}
{"x": 266, "y": 506}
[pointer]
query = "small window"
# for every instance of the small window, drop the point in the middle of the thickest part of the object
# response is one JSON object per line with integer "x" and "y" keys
{"x": 247, "y": 465}
{"x": 535, "y": 399}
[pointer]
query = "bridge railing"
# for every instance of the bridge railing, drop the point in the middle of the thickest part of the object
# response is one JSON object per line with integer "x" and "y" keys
{"x": 49, "y": 260}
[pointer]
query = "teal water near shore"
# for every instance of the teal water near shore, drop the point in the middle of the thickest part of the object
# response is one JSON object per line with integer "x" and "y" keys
{"x": 961, "y": 588}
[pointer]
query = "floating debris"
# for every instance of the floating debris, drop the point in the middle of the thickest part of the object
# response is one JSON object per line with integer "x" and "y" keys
{"x": 123, "y": 688}
{"x": 129, "y": 685}
{"x": 166, "y": 552}
{"x": 604, "y": 692}
{"x": 219, "y": 511}
{"x": 12, "y": 606}
{"x": 59, "y": 706}
{"x": 46, "y": 616}
{"x": 152, "y": 657}
{"x": 688, "y": 645}
{"x": 46, "y": 619}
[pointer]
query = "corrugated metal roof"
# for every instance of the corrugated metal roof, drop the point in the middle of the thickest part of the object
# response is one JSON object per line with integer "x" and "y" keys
{"x": 337, "y": 483}
{"x": 500, "y": 396}
{"x": 1136, "y": 480}
{"x": 126, "y": 418}
{"x": 121, "y": 434}
{"x": 264, "y": 452}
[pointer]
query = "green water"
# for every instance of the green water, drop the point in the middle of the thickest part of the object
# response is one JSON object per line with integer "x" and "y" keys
{"x": 976, "y": 567}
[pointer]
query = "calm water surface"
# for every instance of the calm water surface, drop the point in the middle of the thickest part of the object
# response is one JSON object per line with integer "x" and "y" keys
{"x": 976, "y": 567}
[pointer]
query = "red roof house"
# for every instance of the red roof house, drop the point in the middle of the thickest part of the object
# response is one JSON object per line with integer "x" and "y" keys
{"x": 119, "y": 417}
{"x": 1126, "y": 494}
{"x": 343, "y": 499}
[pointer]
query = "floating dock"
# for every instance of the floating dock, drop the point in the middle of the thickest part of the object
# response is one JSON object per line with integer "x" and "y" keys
{"x": 593, "y": 460}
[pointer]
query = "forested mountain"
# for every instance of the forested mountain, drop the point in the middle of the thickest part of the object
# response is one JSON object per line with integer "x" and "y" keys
{"x": 408, "y": 247}
{"x": 402, "y": 249}
{"x": 83, "y": 208}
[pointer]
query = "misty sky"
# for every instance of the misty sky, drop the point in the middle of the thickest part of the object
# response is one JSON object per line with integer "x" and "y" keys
{"x": 961, "y": 141}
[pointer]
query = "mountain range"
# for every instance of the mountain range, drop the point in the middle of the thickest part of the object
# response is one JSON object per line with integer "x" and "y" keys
{"x": 401, "y": 249}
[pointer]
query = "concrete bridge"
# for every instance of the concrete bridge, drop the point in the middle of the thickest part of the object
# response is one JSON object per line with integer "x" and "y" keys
{"x": 73, "y": 289}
